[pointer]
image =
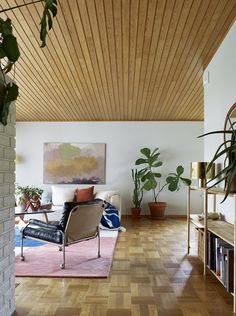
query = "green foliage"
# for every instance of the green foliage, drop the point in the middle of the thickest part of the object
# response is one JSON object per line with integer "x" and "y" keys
{"x": 137, "y": 192}
{"x": 30, "y": 191}
{"x": 9, "y": 53}
{"x": 150, "y": 177}
{"x": 50, "y": 11}
{"x": 227, "y": 150}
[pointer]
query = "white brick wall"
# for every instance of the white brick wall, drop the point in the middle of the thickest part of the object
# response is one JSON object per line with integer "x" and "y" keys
{"x": 7, "y": 202}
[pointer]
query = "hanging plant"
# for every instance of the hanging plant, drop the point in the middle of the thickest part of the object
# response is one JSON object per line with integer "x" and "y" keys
{"x": 9, "y": 53}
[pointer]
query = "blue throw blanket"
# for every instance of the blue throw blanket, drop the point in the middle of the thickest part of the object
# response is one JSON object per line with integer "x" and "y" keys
{"x": 110, "y": 218}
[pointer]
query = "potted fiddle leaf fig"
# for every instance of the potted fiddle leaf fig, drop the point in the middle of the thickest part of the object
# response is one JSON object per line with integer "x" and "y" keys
{"x": 137, "y": 194}
{"x": 150, "y": 177}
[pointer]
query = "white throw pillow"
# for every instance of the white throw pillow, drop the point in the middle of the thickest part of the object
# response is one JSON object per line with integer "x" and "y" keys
{"x": 62, "y": 194}
{"x": 105, "y": 195}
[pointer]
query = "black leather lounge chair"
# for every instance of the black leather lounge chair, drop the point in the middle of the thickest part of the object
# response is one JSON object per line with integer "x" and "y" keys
{"x": 77, "y": 223}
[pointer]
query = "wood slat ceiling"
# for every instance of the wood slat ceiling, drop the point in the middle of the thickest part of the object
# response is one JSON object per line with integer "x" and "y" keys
{"x": 117, "y": 59}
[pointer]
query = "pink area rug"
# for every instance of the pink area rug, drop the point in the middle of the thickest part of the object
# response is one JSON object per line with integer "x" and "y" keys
{"x": 81, "y": 260}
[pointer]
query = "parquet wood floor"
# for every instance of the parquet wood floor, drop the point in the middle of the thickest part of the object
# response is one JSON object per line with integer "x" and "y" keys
{"x": 150, "y": 276}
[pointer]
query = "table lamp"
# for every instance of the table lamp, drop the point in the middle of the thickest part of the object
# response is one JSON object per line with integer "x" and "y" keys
{"x": 199, "y": 171}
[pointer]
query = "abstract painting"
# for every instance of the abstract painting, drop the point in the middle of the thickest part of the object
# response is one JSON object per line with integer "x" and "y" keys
{"x": 78, "y": 163}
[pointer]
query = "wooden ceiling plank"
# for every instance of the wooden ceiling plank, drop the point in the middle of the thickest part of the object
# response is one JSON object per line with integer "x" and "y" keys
{"x": 82, "y": 69}
{"x": 125, "y": 14}
{"x": 119, "y": 51}
{"x": 193, "y": 62}
{"x": 187, "y": 43}
{"x": 189, "y": 103}
{"x": 143, "y": 10}
{"x": 102, "y": 26}
{"x": 38, "y": 51}
{"x": 87, "y": 56}
{"x": 80, "y": 85}
{"x": 133, "y": 34}
{"x": 190, "y": 61}
{"x": 90, "y": 53}
{"x": 93, "y": 20}
{"x": 182, "y": 29}
{"x": 167, "y": 15}
{"x": 36, "y": 45}
{"x": 109, "y": 17}
{"x": 219, "y": 33}
{"x": 171, "y": 44}
{"x": 159, "y": 16}
{"x": 148, "y": 37}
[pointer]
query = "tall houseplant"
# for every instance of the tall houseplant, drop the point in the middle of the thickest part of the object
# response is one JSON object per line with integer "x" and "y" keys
{"x": 151, "y": 179}
{"x": 137, "y": 194}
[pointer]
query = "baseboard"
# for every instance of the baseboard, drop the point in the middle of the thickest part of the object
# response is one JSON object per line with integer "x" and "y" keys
{"x": 166, "y": 216}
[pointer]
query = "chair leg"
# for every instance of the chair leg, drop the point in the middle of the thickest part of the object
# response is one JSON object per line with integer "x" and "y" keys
{"x": 99, "y": 243}
{"x": 22, "y": 258}
{"x": 62, "y": 265}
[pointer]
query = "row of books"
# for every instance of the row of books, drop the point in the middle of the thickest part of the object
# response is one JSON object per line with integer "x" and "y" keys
{"x": 220, "y": 259}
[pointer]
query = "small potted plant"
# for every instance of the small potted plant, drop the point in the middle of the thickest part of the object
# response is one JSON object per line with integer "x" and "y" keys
{"x": 149, "y": 177}
{"x": 24, "y": 194}
{"x": 137, "y": 194}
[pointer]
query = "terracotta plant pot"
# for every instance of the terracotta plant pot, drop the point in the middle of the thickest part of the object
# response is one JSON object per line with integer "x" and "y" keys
{"x": 157, "y": 209}
{"x": 136, "y": 212}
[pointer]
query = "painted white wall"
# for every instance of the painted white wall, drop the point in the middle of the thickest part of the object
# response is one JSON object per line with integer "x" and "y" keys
{"x": 177, "y": 141}
{"x": 219, "y": 95}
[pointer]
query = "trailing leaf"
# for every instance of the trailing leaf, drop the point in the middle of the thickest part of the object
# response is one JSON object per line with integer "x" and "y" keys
{"x": 50, "y": 10}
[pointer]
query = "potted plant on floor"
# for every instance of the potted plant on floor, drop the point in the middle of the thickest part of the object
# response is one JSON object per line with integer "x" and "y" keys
{"x": 149, "y": 177}
{"x": 137, "y": 194}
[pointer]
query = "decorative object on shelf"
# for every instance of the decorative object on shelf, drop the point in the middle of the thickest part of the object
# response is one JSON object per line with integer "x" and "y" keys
{"x": 74, "y": 163}
{"x": 149, "y": 176}
{"x": 24, "y": 194}
{"x": 9, "y": 53}
{"x": 200, "y": 171}
{"x": 227, "y": 151}
{"x": 137, "y": 194}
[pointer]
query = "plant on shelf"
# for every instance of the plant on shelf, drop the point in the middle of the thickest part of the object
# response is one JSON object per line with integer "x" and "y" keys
{"x": 137, "y": 194}
{"x": 24, "y": 194}
{"x": 227, "y": 151}
{"x": 150, "y": 179}
{"x": 9, "y": 52}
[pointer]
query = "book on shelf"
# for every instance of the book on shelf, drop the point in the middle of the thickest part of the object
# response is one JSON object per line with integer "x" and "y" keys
{"x": 230, "y": 270}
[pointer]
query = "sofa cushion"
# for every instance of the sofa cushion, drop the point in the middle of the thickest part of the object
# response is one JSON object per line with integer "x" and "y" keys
{"x": 62, "y": 194}
{"x": 83, "y": 195}
{"x": 105, "y": 195}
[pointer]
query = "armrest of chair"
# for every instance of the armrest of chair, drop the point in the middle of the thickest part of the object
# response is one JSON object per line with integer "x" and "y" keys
{"x": 42, "y": 224}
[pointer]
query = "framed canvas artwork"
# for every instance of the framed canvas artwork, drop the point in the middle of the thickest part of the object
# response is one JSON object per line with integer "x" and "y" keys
{"x": 74, "y": 163}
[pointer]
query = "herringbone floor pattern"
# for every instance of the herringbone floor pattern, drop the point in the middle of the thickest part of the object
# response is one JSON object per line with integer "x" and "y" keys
{"x": 150, "y": 276}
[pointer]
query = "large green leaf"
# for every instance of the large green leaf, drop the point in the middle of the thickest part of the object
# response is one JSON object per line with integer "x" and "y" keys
{"x": 5, "y": 27}
{"x": 50, "y": 8}
{"x": 140, "y": 161}
{"x": 186, "y": 181}
{"x": 146, "y": 152}
{"x": 10, "y": 47}
{"x": 150, "y": 185}
{"x": 157, "y": 164}
{"x": 180, "y": 170}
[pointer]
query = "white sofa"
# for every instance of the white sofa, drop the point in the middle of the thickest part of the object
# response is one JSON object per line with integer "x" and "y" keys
{"x": 61, "y": 194}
